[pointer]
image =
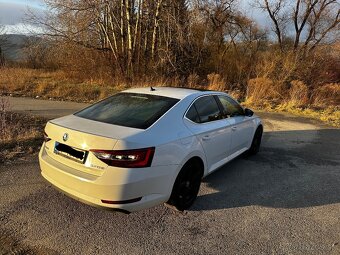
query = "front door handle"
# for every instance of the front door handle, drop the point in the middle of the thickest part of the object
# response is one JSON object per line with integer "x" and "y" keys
{"x": 206, "y": 138}
{"x": 234, "y": 128}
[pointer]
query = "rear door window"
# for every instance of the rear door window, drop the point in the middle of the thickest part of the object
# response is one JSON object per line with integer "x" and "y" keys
{"x": 205, "y": 109}
{"x": 193, "y": 115}
{"x": 129, "y": 109}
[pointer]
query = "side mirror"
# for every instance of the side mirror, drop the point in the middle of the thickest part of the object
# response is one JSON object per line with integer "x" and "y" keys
{"x": 248, "y": 112}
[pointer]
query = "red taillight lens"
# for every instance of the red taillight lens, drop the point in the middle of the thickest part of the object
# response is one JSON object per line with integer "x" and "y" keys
{"x": 46, "y": 138}
{"x": 126, "y": 158}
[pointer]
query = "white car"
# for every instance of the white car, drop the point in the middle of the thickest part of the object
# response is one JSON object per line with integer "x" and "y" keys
{"x": 146, "y": 146}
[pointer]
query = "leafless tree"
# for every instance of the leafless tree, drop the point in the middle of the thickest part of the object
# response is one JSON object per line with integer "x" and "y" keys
{"x": 313, "y": 20}
{"x": 277, "y": 11}
{"x": 321, "y": 17}
{"x": 130, "y": 32}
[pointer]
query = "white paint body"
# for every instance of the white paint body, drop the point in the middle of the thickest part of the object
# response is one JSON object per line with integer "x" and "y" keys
{"x": 176, "y": 140}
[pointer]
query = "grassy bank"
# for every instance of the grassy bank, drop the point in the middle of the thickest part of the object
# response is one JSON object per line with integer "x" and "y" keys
{"x": 322, "y": 103}
{"x": 330, "y": 116}
{"x": 54, "y": 84}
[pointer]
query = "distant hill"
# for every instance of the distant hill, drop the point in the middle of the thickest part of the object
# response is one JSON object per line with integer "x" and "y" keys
{"x": 12, "y": 46}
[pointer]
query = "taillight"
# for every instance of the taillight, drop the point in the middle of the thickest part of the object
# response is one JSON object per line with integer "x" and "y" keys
{"x": 46, "y": 138}
{"x": 126, "y": 158}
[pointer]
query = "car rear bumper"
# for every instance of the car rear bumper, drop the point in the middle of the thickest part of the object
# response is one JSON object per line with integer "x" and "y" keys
{"x": 129, "y": 190}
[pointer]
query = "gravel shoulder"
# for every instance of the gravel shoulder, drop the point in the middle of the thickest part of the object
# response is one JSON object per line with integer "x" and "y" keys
{"x": 285, "y": 200}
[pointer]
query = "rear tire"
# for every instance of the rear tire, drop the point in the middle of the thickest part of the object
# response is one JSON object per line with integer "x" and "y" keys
{"x": 256, "y": 143}
{"x": 186, "y": 187}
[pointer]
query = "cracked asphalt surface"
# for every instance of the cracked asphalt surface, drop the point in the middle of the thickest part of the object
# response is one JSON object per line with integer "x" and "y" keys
{"x": 285, "y": 200}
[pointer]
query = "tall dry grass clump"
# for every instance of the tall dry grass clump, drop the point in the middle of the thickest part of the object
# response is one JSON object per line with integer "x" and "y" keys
{"x": 4, "y": 108}
{"x": 13, "y": 126}
{"x": 261, "y": 91}
{"x": 20, "y": 134}
{"x": 193, "y": 80}
{"x": 327, "y": 95}
{"x": 215, "y": 82}
{"x": 17, "y": 79}
{"x": 298, "y": 94}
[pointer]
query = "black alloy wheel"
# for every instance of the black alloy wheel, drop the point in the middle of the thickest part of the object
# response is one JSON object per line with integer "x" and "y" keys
{"x": 186, "y": 186}
{"x": 256, "y": 143}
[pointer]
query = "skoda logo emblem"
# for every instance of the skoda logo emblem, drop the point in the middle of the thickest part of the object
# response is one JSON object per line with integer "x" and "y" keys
{"x": 65, "y": 137}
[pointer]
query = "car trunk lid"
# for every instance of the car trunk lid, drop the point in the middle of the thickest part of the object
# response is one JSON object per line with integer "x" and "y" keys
{"x": 73, "y": 137}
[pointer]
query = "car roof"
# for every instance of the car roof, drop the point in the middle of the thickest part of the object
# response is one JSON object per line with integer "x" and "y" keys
{"x": 172, "y": 92}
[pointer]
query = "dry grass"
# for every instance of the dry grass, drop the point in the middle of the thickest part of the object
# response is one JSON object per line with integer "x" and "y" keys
{"x": 62, "y": 85}
{"x": 322, "y": 105}
{"x": 298, "y": 94}
{"x": 330, "y": 115}
{"x": 193, "y": 80}
{"x": 262, "y": 91}
{"x": 215, "y": 82}
{"x": 326, "y": 96}
{"x": 20, "y": 135}
{"x": 57, "y": 84}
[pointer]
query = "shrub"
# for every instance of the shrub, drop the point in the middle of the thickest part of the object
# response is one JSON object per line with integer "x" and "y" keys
{"x": 193, "y": 80}
{"x": 298, "y": 94}
{"x": 262, "y": 91}
{"x": 326, "y": 95}
{"x": 216, "y": 82}
{"x": 4, "y": 108}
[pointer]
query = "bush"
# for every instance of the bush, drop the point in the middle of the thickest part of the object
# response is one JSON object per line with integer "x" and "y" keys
{"x": 298, "y": 94}
{"x": 262, "y": 91}
{"x": 216, "y": 82}
{"x": 4, "y": 108}
{"x": 193, "y": 80}
{"x": 327, "y": 95}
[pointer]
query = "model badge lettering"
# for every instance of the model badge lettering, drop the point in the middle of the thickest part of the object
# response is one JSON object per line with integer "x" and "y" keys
{"x": 98, "y": 167}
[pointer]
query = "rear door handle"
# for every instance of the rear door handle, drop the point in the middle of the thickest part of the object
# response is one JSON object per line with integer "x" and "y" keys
{"x": 234, "y": 128}
{"x": 206, "y": 138}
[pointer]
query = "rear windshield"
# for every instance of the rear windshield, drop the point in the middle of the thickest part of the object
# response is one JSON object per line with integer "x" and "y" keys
{"x": 129, "y": 109}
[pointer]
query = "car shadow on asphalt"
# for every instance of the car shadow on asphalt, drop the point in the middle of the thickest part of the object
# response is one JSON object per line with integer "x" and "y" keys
{"x": 294, "y": 169}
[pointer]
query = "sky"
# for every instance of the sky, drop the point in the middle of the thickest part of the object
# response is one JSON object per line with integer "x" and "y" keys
{"x": 14, "y": 12}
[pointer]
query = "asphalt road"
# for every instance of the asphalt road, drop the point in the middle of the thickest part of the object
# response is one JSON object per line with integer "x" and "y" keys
{"x": 285, "y": 200}
{"x": 45, "y": 108}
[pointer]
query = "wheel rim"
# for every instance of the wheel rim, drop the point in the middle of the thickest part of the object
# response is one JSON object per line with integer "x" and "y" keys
{"x": 257, "y": 142}
{"x": 189, "y": 186}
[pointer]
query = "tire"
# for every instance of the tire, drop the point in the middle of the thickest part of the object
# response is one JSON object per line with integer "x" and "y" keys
{"x": 186, "y": 187}
{"x": 256, "y": 143}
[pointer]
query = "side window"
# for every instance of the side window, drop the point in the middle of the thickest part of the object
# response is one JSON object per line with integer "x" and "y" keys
{"x": 230, "y": 107}
{"x": 193, "y": 115}
{"x": 207, "y": 109}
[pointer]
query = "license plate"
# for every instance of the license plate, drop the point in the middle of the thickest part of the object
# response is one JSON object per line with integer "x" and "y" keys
{"x": 70, "y": 152}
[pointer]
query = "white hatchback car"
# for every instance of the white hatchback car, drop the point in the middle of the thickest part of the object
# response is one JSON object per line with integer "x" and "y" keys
{"x": 146, "y": 146}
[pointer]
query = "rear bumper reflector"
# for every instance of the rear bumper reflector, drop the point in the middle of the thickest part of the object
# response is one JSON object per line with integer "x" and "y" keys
{"x": 122, "y": 202}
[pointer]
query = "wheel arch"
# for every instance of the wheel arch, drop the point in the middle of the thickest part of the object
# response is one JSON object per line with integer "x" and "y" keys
{"x": 259, "y": 127}
{"x": 192, "y": 157}
{"x": 199, "y": 161}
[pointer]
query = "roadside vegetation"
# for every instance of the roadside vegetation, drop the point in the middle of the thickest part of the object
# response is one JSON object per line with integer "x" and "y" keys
{"x": 21, "y": 135}
{"x": 92, "y": 49}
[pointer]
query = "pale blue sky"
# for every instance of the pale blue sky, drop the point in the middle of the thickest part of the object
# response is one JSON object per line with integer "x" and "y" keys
{"x": 32, "y": 3}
